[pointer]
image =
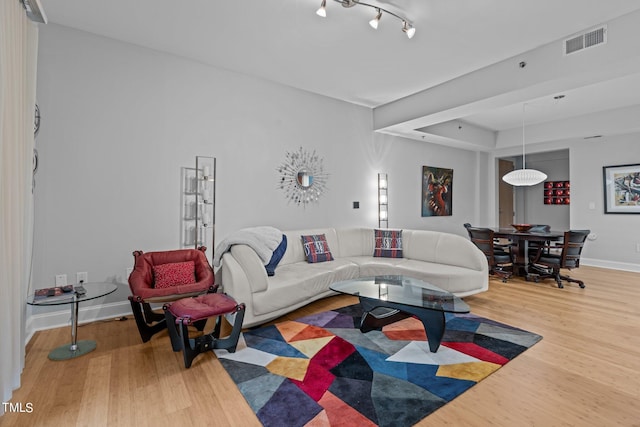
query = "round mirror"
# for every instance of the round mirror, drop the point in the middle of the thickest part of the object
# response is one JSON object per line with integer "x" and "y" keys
{"x": 305, "y": 180}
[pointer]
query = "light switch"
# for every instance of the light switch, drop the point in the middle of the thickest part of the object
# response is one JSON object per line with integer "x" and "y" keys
{"x": 592, "y": 205}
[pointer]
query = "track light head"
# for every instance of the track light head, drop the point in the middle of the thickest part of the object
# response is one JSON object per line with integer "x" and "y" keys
{"x": 322, "y": 11}
{"x": 374, "y": 22}
{"x": 408, "y": 29}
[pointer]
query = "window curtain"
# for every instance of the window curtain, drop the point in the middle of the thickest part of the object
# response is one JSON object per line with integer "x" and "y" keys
{"x": 18, "y": 57}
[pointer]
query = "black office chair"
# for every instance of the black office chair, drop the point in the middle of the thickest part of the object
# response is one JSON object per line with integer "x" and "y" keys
{"x": 500, "y": 262}
{"x": 534, "y": 245}
{"x": 548, "y": 264}
{"x": 500, "y": 244}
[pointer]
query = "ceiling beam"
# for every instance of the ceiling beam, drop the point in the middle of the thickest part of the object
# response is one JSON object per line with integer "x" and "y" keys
{"x": 540, "y": 72}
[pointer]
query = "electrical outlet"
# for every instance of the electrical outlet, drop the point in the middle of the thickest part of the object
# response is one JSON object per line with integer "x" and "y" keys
{"x": 61, "y": 280}
{"x": 82, "y": 277}
{"x": 637, "y": 247}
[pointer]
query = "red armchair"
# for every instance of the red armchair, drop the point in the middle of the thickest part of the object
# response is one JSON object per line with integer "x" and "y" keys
{"x": 142, "y": 283}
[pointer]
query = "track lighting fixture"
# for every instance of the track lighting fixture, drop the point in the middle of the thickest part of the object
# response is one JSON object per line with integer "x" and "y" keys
{"x": 407, "y": 26}
{"x": 374, "y": 22}
{"x": 408, "y": 29}
{"x": 322, "y": 11}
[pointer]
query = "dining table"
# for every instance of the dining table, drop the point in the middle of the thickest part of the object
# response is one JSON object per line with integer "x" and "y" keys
{"x": 520, "y": 240}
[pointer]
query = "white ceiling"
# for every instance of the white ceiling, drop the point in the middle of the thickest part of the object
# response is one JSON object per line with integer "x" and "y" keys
{"x": 340, "y": 56}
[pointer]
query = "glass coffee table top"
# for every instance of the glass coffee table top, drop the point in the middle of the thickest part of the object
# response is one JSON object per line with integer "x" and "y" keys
{"x": 388, "y": 299}
{"x": 403, "y": 290}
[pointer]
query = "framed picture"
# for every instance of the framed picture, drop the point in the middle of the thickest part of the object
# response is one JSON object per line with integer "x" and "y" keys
{"x": 437, "y": 191}
{"x": 621, "y": 189}
{"x": 557, "y": 193}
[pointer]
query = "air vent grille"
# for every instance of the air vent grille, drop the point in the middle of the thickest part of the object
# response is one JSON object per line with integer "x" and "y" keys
{"x": 586, "y": 40}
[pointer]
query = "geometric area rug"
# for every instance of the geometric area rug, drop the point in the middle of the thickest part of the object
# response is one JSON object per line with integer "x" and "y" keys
{"x": 320, "y": 370}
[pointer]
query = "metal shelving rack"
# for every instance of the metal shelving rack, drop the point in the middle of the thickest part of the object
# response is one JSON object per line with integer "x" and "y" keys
{"x": 198, "y": 205}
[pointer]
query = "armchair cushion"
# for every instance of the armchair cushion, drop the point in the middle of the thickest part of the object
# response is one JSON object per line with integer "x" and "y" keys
{"x": 173, "y": 274}
{"x": 141, "y": 280}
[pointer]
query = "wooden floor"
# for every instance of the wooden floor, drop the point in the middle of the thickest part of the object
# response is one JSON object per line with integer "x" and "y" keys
{"x": 584, "y": 372}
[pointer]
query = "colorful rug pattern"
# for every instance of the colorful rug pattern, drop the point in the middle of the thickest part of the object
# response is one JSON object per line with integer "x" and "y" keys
{"x": 322, "y": 371}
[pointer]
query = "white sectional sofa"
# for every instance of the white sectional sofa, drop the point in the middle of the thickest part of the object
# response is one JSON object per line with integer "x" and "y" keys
{"x": 446, "y": 260}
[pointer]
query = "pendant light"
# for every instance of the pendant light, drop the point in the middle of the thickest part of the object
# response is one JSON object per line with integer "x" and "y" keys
{"x": 524, "y": 177}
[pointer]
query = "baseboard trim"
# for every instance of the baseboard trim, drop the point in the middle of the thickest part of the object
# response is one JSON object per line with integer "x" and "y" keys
{"x": 62, "y": 318}
{"x": 613, "y": 265}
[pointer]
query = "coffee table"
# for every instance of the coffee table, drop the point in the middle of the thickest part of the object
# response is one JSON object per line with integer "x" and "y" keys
{"x": 387, "y": 299}
{"x": 75, "y": 348}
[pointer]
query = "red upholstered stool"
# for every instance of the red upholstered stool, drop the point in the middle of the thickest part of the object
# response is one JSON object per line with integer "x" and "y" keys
{"x": 187, "y": 311}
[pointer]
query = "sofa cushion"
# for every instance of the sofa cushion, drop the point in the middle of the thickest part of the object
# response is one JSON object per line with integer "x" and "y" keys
{"x": 173, "y": 274}
{"x": 461, "y": 281}
{"x": 301, "y": 281}
{"x": 278, "y": 253}
{"x": 316, "y": 248}
{"x": 388, "y": 243}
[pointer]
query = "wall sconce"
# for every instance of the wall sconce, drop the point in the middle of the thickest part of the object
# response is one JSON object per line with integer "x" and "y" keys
{"x": 383, "y": 201}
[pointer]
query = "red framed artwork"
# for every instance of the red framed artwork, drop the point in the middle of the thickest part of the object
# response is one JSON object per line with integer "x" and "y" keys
{"x": 557, "y": 192}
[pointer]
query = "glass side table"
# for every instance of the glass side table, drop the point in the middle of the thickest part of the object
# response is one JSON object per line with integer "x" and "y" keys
{"x": 76, "y": 348}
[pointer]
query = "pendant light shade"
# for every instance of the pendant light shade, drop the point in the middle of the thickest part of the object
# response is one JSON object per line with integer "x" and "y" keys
{"x": 524, "y": 177}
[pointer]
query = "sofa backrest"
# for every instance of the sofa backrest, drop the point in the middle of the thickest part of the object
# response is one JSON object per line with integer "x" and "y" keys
{"x": 355, "y": 241}
{"x": 441, "y": 248}
{"x": 422, "y": 245}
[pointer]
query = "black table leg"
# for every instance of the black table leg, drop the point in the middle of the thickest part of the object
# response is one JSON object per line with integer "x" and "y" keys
{"x": 433, "y": 320}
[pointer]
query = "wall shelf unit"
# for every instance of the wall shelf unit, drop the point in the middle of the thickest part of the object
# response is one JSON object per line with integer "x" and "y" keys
{"x": 198, "y": 213}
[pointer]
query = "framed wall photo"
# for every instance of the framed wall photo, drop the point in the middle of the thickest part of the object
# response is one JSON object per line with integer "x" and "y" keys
{"x": 437, "y": 191}
{"x": 621, "y": 189}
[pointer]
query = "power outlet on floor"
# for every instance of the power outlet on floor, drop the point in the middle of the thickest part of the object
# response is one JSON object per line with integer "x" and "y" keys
{"x": 61, "y": 280}
{"x": 82, "y": 277}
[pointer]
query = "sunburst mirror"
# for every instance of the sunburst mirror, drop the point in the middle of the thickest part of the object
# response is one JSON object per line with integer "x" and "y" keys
{"x": 302, "y": 177}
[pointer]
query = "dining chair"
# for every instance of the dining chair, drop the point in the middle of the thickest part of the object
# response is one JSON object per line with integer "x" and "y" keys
{"x": 504, "y": 245}
{"x": 500, "y": 262}
{"x": 533, "y": 245}
{"x": 547, "y": 264}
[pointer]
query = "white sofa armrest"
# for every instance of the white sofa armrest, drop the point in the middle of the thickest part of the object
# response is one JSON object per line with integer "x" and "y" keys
{"x": 241, "y": 279}
{"x": 252, "y": 266}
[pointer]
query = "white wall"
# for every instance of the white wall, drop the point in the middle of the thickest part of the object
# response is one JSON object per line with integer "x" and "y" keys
{"x": 120, "y": 121}
{"x": 618, "y": 235}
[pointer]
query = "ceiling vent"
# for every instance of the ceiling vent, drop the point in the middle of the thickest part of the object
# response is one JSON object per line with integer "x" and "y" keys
{"x": 34, "y": 10}
{"x": 586, "y": 40}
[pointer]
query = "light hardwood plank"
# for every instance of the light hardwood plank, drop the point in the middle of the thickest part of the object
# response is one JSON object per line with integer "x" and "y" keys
{"x": 584, "y": 372}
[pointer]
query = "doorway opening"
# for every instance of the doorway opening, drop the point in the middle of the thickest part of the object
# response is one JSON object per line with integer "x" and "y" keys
{"x": 526, "y": 204}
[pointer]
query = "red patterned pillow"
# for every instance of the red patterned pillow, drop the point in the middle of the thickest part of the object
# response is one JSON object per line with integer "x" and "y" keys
{"x": 316, "y": 248}
{"x": 174, "y": 274}
{"x": 388, "y": 243}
